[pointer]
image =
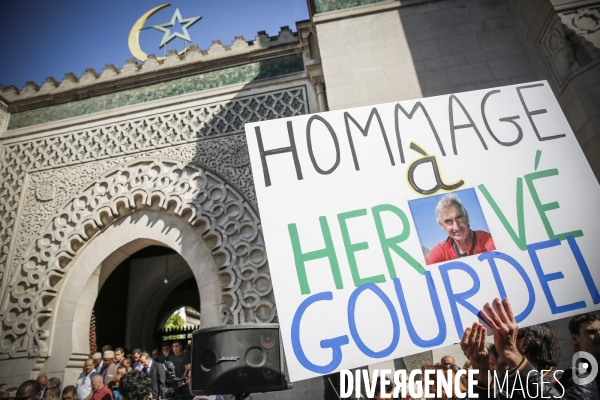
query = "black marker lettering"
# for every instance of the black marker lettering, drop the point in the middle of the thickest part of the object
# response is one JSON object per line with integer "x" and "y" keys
{"x": 264, "y": 154}
{"x": 535, "y": 112}
{"x": 409, "y": 116}
{"x": 365, "y": 132}
{"x": 310, "y": 149}
{"x": 440, "y": 184}
{"x": 453, "y": 127}
{"x": 506, "y": 119}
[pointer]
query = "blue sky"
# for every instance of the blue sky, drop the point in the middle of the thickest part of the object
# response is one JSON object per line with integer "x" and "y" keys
{"x": 51, "y": 38}
{"x": 423, "y": 213}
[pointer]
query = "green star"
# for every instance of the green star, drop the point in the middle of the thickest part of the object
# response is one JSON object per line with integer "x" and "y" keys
{"x": 185, "y": 24}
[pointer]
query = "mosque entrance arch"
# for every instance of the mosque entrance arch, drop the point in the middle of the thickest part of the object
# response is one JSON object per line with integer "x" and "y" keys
{"x": 134, "y": 301}
{"x": 77, "y": 301}
{"x": 163, "y": 202}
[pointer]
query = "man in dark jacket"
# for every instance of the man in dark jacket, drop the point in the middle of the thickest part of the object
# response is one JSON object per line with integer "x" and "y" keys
{"x": 156, "y": 372}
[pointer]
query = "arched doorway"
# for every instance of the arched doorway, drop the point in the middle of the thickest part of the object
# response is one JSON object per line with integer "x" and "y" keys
{"x": 133, "y": 302}
{"x": 148, "y": 201}
{"x": 76, "y": 301}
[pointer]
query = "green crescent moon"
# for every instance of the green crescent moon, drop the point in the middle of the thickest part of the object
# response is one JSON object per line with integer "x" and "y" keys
{"x": 134, "y": 35}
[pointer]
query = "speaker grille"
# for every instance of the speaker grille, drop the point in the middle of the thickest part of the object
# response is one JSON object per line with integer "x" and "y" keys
{"x": 237, "y": 359}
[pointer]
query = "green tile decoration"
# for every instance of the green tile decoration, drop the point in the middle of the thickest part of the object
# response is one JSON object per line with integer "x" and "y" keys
{"x": 322, "y": 6}
{"x": 264, "y": 69}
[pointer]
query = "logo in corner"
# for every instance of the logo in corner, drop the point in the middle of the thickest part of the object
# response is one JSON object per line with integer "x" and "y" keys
{"x": 585, "y": 368}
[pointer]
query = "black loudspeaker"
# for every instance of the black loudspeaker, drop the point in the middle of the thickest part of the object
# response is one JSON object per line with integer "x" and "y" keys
{"x": 234, "y": 359}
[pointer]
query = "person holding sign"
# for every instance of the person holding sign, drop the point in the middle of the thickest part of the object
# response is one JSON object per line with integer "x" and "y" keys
{"x": 452, "y": 216}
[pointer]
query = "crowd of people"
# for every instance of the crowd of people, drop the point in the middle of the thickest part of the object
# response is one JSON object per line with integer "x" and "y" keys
{"x": 115, "y": 375}
{"x": 521, "y": 363}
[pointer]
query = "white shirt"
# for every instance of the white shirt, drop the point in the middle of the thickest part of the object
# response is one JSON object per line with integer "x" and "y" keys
{"x": 84, "y": 384}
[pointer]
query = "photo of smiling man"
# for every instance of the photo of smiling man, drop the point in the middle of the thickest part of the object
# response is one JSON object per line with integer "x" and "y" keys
{"x": 460, "y": 235}
{"x": 462, "y": 241}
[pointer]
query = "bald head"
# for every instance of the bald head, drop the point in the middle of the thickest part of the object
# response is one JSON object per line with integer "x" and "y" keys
{"x": 97, "y": 382}
{"x": 448, "y": 361}
{"x": 42, "y": 380}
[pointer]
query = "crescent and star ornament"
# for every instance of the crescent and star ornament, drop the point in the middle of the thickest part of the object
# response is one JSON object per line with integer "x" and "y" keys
{"x": 185, "y": 24}
{"x": 134, "y": 34}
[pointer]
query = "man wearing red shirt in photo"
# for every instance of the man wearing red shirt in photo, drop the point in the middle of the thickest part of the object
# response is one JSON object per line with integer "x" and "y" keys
{"x": 461, "y": 241}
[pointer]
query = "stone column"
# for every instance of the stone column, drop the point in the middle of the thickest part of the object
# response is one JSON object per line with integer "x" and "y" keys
{"x": 319, "y": 83}
{"x": 3, "y": 116}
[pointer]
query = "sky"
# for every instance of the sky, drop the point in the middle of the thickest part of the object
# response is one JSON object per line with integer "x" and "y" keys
{"x": 50, "y": 38}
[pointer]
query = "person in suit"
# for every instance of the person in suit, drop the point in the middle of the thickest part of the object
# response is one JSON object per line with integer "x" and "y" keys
{"x": 156, "y": 372}
{"x": 43, "y": 382}
{"x": 98, "y": 363}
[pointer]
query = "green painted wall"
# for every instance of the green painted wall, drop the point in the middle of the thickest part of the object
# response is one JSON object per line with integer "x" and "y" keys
{"x": 321, "y": 6}
{"x": 209, "y": 80}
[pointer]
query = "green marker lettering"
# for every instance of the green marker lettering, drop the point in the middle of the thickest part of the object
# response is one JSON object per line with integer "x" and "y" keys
{"x": 519, "y": 239}
{"x": 543, "y": 208}
{"x": 301, "y": 258}
{"x": 352, "y": 248}
{"x": 391, "y": 243}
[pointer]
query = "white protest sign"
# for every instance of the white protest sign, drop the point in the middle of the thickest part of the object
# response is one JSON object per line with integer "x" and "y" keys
{"x": 361, "y": 269}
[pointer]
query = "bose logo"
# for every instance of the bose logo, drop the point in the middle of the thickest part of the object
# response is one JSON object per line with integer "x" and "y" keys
{"x": 223, "y": 359}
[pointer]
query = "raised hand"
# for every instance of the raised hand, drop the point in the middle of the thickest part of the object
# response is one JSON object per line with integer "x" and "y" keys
{"x": 473, "y": 345}
{"x": 505, "y": 329}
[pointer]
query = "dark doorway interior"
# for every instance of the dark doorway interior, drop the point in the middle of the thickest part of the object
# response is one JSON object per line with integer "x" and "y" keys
{"x": 110, "y": 309}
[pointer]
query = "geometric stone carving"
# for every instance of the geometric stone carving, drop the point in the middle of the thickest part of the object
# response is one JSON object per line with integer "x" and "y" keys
{"x": 584, "y": 22}
{"x": 556, "y": 51}
{"x": 160, "y": 130}
{"x": 318, "y": 79}
{"x": 68, "y": 181}
{"x": 229, "y": 225}
{"x": 569, "y": 42}
{"x": 553, "y": 41}
{"x": 227, "y": 157}
{"x": 63, "y": 172}
{"x": 45, "y": 191}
